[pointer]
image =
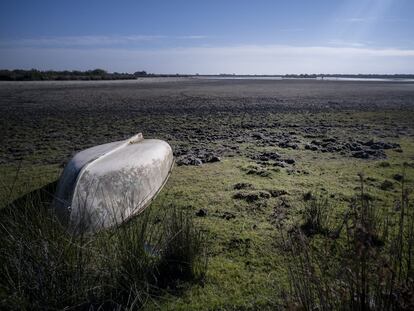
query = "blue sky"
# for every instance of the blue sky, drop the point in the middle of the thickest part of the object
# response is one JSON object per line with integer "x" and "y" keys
{"x": 243, "y": 37}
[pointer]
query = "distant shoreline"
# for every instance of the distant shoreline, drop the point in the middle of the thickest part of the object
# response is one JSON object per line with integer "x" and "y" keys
{"x": 102, "y": 75}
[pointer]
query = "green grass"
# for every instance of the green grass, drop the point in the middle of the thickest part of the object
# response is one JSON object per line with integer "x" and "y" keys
{"x": 242, "y": 274}
{"x": 19, "y": 179}
{"x": 244, "y": 271}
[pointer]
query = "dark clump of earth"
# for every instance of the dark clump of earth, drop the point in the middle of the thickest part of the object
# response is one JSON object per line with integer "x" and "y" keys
{"x": 201, "y": 212}
{"x": 398, "y": 177}
{"x": 243, "y": 185}
{"x": 386, "y": 185}
{"x": 358, "y": 149}
{"x": 197, "y": 157}
{"x": 277, "y": 192}
{"x": 251, "y": 196}
{"x": 228, "y": 215}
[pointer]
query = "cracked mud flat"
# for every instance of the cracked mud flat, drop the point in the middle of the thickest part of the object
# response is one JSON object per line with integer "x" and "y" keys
{"x": 205, "y": 120}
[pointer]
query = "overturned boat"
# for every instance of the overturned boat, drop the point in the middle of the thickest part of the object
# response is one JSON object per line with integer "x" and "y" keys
{"x": 106, "y": 185}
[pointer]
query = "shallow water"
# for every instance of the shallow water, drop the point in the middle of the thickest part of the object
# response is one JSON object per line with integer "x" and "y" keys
{"x": 311, "y": 79}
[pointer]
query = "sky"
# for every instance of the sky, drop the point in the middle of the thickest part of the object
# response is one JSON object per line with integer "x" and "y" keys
{"x": 209, "y": 37}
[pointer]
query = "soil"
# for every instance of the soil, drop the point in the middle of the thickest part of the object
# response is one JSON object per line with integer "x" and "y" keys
{"x": 205, "y": 120}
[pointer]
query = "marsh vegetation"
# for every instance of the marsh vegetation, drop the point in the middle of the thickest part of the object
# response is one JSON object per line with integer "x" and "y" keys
{"x": 44, "y": 267}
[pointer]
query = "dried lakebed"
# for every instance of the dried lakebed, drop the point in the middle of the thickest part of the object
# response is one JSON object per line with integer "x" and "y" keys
{"x": 204, "y": 120}
{"x": 250, "y": 154}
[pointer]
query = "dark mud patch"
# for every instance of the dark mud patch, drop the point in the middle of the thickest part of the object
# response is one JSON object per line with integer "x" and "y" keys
{"x": 243, "y": 186}
{"x": 251, "y": 196}
{"x": 353, "y": 148}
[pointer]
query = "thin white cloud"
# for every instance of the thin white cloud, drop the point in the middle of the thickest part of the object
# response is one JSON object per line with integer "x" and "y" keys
{"x": 242, "y": 59}
{"x": 286, "y": 50}
{"x": 191, "y": 37}
{"x": 371, "y": 19}
{"x": 291, "y": 29}
{"x": 354, "y": 19}
{"x": 91, "y": 41}
{"x": 344, "y": 43}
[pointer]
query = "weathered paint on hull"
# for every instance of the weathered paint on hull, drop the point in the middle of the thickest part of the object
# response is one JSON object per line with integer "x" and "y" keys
{"x": 105, "y": 185}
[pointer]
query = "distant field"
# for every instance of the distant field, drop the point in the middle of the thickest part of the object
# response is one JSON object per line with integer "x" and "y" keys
{"x": 263, "y": 145}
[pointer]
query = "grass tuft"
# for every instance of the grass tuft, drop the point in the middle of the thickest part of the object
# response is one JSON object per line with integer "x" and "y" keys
{"x": 43, "y": 267}
{"x": 368, "y": 265}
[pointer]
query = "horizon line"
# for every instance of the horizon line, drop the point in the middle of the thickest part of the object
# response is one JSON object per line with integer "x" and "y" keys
{"x": 206, "y": 74}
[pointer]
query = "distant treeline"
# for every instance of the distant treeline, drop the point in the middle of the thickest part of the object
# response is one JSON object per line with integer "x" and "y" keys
{"x": 37, "y": 75}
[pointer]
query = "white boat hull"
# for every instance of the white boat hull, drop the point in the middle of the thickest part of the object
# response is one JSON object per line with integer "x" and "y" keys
{"x": 106, "y": 185}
